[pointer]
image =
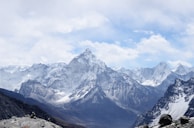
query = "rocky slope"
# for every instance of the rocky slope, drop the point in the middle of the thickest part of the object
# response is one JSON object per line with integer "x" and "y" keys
{"x": 14, "y": 104}
{"x": 166, "y": 121}
{"x": 177, "y": 101}
{"x": 87, "y": 81}
{"x": 27, "y": 122}
{"x": 12, "y": 107}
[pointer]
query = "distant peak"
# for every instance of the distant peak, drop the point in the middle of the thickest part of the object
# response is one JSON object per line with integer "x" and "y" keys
{"x": 87, "y": 50}
{"x": 180, "y": 66}
{"x": 162, "y": 65}
{"x": 87, "y": 57}
{"x": 87, "y": 54}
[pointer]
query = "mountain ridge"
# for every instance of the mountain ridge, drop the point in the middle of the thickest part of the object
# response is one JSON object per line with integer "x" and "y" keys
{"x": 179, "y": 93}
{"x": 88, "y": 80}
{"x": 15, "y": 105}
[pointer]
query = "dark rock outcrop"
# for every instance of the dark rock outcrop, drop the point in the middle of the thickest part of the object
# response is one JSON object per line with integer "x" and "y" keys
{"x": 165, "y": 119}
{"x": 184, "y": 120}
{"x": 13, "y": 104}
{"x": 12, "y": 107}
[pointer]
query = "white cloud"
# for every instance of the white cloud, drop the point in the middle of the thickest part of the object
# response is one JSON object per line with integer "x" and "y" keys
{"x": 190, "y": 30}
{"x": 51, "y": 50}
{"x": 47, "y": 50}
{"x": 112, "y": 54}
{"x": 158, "y": 46}
{"x": 187, "y": 40}
{"x": 144, "y": 32}
{"x": 49, "y": 30}
{"x": 155, "y": 44}
{"x": 178, "y": 62}
{"x": 92, "y": 20}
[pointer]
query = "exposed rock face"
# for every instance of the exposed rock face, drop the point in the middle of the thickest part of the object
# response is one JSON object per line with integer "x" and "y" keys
{"x": 177, "y": 101}
{"x": 11, "y": 107}
{"x": 184, "y": 120}
{"x": 86, "y": 88}
{"x": 167, "y": 122}
{"x": 165, "y": 119}
{"x": 14, "y": 104}
{"x": 27, "y": 122}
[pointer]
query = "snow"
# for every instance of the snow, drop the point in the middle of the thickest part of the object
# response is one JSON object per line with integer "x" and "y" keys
{"x": 63, "y": 99}
{"x": 149, "y": 83}
{"x": 149, "y": 76}
{"x": 176, "y": 109}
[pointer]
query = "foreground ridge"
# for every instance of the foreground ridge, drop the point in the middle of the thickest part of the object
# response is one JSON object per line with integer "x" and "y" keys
{"x": 27, "y": 122}
{"x": 166, "y": 121}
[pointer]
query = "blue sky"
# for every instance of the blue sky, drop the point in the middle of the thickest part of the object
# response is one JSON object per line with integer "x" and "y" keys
{"x": 122, "y": 33}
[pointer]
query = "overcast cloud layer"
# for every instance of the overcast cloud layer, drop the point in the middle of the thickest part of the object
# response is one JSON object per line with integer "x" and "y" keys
{"x": 122, "y": 33}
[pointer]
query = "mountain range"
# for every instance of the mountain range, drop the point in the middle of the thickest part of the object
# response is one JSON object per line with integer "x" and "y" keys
{"x": 88, "y": 92}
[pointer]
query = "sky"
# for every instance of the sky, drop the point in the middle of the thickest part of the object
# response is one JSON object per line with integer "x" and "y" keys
{"x": 122, "y": 33}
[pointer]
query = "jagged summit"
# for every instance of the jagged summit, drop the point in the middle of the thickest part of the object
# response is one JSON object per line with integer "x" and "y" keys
{"x": 162, "y": 65}
{"x": 87, "y": 54}
{"x": 87, "y": 60}
{"x": 150, "y": 76}
{"x": 87, "y": 51}
{"x": 181, "y": 69}
{"x": 86, "y": 89}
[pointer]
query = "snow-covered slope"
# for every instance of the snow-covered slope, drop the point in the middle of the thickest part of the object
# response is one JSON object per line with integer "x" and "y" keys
{"x": 156, "y": 75}
{"x": 182, "y": 70}
{"x": 97, "y": 110}
{"x": 87, "y": 80}
{"x": 59, "y": 83}
{"x": 175, "y": 102}
{"x": 150, "y": 76}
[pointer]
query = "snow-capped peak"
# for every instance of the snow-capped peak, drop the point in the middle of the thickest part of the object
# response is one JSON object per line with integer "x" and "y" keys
{"x": 87, "y": 55}
{"x": 162, "y": 66}
{"x": 181, "y": 69}
{"x": 88, "y": 60}
{"x": 150, "y": 76}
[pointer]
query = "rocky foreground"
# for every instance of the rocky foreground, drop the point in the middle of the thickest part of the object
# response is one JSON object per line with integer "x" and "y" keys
{"x": 27, "y": 122}
{"x": 166, "y": 121}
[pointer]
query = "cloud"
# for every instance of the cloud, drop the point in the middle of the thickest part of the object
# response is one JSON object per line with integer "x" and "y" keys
{"x": 178, "y": 62}
{"x": 157, "y": 47}
{"x": 149, "y": 50}
{"x": 147, "y": 32}
{"x": 155, "y": 44}
{"x": 51, "y": 50}
{"x": 47, "y": 50}
{"x": 52, "y": 30}
{"x": 190, "y": 29}
{"x": 187, "y": 39}
{"x": 80, "y": 23}
{"x": 112, "y": 54}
